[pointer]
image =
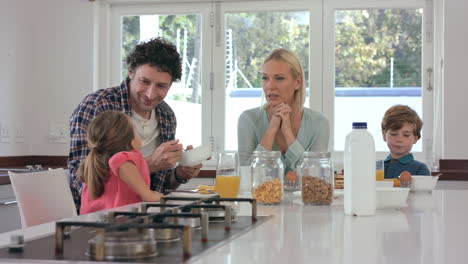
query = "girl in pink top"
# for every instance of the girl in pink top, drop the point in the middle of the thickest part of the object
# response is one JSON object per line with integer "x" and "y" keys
{"x": 115, "y": 172}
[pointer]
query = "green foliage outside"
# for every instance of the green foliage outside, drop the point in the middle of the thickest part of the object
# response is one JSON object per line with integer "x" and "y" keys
{"x": 169, "y": 25}
{"x": 172, "y": 28}
{"x": 130, "y": 37}
{"x": 256, "y": 34}
{"x": 365, "y": 40}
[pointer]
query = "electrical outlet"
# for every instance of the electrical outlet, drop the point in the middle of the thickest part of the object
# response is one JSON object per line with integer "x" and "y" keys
{"x": 63, "y": 134}
{"x": 58, "y": 133}
{"x": 4, "y": 133}
{"x": 19, "y": 133}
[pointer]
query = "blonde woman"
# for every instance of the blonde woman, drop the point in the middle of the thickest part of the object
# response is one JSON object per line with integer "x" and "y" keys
{"x": 283, "y": 123}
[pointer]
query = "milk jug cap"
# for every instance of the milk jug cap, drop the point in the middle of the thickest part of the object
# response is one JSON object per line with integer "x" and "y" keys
{"x": 359, "y": 125}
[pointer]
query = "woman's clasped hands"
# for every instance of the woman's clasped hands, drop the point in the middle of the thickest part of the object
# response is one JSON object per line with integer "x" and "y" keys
{"x": 280, "y": 118}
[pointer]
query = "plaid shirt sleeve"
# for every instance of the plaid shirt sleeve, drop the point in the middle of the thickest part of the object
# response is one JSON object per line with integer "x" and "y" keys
{"x": 167, "y": 124}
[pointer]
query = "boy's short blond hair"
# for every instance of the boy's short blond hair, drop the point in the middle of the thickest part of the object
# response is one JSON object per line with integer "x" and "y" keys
{"x": 396, "y": 116}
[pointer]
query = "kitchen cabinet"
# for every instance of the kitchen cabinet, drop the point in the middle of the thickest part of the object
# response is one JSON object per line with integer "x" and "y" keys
{"x": 9, "y": 213}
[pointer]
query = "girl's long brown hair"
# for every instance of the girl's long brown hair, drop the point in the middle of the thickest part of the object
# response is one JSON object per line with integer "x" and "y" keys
{"x": 107, "y": 134}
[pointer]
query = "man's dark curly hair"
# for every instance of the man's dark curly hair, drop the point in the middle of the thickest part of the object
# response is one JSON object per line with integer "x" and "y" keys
{"x": 157, "y": 52}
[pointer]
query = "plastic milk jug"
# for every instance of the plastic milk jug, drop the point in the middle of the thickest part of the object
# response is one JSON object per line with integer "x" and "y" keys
{"x": 359, "y": 172}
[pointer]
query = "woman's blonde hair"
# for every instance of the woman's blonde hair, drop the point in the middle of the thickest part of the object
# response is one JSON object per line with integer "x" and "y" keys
{"x": 290, "y": 58}
{"x": 107, "y": 134}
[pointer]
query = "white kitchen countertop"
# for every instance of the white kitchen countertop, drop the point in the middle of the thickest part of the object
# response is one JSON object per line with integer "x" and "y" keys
{"x": 432, "y": 229}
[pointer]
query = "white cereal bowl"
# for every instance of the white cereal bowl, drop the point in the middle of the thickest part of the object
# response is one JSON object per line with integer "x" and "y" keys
{"x": 391, "y": 197}
{"x": 195, "y": 156}
{"x": 379, "y": 184}
{"x": 423, "y": 183}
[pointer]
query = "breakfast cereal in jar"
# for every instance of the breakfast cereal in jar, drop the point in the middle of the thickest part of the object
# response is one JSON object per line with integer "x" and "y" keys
{"x": 268, "y": 192}
{"x": 267, "y": 175}
{"x": 316, "y": 178}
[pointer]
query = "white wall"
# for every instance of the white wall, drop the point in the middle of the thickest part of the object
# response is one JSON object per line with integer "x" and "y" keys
{"x": 63, "y": 58}
{"x": 46, "y": 64}
{"x": 15, "y": 69}
{"x": 455, "y": 99}
{"x": 45, "y": 68}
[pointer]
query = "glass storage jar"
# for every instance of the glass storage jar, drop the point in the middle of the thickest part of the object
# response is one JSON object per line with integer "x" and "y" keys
{"x": 246, "y": 173}
{"x": 267, "y": 175}
{"x": 254, "y": 157}
{"x": 316, "y": 178}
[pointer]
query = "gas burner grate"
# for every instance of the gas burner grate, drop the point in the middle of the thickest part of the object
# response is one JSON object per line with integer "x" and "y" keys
{"x": 133, "y": 236}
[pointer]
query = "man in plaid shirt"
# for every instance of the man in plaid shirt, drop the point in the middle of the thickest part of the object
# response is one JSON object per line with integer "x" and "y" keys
{"x": 152, "y": 67}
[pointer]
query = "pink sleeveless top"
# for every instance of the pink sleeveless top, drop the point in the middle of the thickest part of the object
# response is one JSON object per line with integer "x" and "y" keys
{"x": 116, "y": 192}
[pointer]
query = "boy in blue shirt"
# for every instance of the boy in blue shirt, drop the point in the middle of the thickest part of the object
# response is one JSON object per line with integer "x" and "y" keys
{"x": 401, "y": 128}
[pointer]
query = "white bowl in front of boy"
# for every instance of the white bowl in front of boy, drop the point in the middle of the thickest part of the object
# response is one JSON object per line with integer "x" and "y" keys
{"x": 379, "y": 184}
{"x": 391, "y": 197}
{"x": 423, "y": 183}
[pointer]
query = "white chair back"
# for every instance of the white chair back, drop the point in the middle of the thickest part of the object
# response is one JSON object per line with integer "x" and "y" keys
{"x": 42, "y": 196}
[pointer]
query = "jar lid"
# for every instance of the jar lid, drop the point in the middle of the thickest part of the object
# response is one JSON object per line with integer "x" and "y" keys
{"x": 256, "y": 153}
{"x": 310, "y": 154}
{"x": 270, "y": 154}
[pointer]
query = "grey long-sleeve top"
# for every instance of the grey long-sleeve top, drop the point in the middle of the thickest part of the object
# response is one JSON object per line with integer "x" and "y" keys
{"x": 313, "y": 135}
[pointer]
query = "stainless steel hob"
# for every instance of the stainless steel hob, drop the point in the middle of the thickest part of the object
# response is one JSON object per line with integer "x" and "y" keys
{"x": 183, "y": 228}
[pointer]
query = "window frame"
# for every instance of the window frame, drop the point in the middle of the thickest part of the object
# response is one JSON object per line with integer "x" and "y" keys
{"x": 321, "y": 53}
{"x": 203, "y": 9}
{"x": 315, "y": 57}
{"x": 427, "y": 61}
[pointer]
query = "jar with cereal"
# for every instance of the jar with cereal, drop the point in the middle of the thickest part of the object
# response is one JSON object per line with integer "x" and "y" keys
{"x": 267, "y": 175}
{"x": 316, "y": 178}
{"x": 254, "y": 157}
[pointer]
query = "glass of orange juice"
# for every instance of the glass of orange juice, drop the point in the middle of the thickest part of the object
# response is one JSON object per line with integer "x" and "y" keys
{"x": 379, "y": 170}
{"x": 227, "y": 175}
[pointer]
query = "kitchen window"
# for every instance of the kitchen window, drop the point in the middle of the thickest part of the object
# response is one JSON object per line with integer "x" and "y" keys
{"x": 223, "y": 45}
{"x": 244, "y": 57}
{"x": 187, "y": 28}
{"x": 377, "y": 55}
